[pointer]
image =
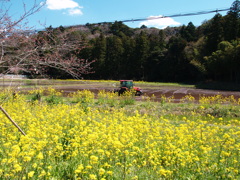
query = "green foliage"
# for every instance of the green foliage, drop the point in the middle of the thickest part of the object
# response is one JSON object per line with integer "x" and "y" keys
{"x": 128, "y": 98}
{"x": 35, "y": 97}
{"x": 53, "y": 99}
{"x": 189, "y": 32}
{"x": 223, "y": 64}
{"x": 118, "y": 27}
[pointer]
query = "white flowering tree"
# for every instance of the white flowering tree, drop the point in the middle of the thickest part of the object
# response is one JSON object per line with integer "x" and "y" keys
{"x": 13, "y": 31}
{"x": 23, "y": 50}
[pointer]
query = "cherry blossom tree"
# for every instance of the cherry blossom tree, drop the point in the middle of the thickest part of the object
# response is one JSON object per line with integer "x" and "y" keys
{"x": 12, "y": 29}
{"x": 24, "y": 51}
{"x": 60, "y": 49}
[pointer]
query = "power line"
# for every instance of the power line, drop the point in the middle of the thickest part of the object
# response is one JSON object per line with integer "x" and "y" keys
{"x": 174, "y": 15}
{"x": 155, "y": 17}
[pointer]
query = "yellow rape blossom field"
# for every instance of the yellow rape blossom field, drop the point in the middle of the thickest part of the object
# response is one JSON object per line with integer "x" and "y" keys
{"x": 103, "y": 136}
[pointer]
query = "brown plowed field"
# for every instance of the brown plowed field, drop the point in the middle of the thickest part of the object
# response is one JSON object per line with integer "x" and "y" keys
{"x": 176, "y": 93}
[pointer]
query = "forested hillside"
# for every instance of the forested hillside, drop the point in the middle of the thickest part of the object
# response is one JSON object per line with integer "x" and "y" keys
{"x": 187, "y": 53}
{"x": 181, "y": 54}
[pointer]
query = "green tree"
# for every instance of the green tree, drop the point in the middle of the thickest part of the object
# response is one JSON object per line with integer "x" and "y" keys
{"x": 157, "y": 53}
{"x": 141, "y": 55}
{"x": 224, "y": 64}
{"x": 188, "y": 32}
{"x": 214, "y": 33}
{"x": 113, "y": 60}
{"x": 118, "y": 27}
{"x": 195, "y": 65}
{"x": 128, "y": 66}
{"x": 162, "y": 41}
{"x": 232, "y": 22}
{"x": 174, "y": 67}
{"x": 99, "y": 54}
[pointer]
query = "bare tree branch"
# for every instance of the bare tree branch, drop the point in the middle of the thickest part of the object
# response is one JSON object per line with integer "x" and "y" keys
{"x": 48, "y": 49}
{"x": 36, "y": 54}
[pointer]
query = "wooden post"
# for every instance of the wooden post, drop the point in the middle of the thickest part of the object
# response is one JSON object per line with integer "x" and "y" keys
{"x": 14, "y": 123}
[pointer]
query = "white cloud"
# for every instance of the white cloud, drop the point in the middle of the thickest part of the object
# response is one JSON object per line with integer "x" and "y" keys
{"x": 159, "y": 22}
{"x": 72, "y": 7}
{"x": 75, "y": 11}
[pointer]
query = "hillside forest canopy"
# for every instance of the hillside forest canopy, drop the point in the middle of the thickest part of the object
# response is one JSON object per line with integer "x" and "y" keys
{"x": 209, "y": 52}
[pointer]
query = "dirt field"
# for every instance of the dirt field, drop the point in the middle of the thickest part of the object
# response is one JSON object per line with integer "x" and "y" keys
{"x": 179, "y": 93}
{"x": 174, "y": 91}
{"x": 169, "y": 92}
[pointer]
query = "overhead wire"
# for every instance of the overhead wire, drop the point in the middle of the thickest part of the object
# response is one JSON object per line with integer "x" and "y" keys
{"x": 171, "y": 16}
{"x": 158, "y": 17}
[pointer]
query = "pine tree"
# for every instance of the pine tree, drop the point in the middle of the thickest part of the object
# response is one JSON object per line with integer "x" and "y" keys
{"x": 99, "y": 54}
{"x": 114, "y": 57}
{"x": 232, "y": 22}
{"x": 141, "y": 54}
{"x": 215, "y": 33}
{"x": 188, "y": 32}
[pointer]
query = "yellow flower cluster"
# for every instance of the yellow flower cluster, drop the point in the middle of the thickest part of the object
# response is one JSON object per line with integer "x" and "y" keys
{"x": 219, "y": 99}
{"x": 72, "y": 141}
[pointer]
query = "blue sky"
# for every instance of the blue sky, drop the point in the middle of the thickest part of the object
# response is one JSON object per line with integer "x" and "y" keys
{"x": 75, "y": 12}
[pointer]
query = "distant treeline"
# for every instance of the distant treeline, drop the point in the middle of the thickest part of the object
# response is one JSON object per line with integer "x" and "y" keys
{"x": 181, "y": 54}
